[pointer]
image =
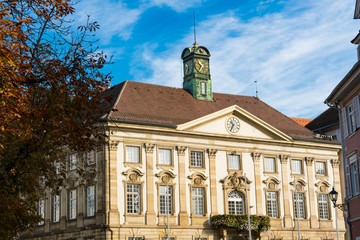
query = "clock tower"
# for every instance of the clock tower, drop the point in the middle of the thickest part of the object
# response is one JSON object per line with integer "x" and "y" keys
{"x": 197, "y": 72}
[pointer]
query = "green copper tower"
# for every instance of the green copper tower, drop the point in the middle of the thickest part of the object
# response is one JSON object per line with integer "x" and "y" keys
{"x": 197, "y": 72}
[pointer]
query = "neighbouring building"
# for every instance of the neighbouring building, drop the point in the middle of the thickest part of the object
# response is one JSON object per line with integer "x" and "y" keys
{"x": 326, "y": 125}
{"x": 345, "y": 97}
{"x": 186, "y": 153}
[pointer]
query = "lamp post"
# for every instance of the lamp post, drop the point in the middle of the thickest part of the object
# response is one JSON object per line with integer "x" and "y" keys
{"x": 333, "y": 197}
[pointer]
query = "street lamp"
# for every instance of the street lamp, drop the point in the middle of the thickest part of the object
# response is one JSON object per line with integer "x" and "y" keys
{"x": 333, "y": 197}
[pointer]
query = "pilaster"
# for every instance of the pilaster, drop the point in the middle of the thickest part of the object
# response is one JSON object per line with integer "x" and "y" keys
{"x": 284, "y": 159}
{"x": 80, "y": 207}
{"x": 150, "y": 215}
{"x": 259, "y": 207}
{"x": 336, "y": 174}
{"x": 314, "y": 223}
{"x": 114, "y": 216}
{"x": 183, "y": 215}
{"x": 213, "y": 183}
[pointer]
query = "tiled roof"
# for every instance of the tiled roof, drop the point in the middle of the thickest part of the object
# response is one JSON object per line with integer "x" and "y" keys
{"x": 151, "y": 104}
{"x": 325, "y": 120}
{"x": 301, "y": 121}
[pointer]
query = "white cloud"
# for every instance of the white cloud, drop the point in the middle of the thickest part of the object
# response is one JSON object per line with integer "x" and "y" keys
{"x": 176, "y": 5}
{"x": 114, "y": 17}
{"x": 297, "y": 55}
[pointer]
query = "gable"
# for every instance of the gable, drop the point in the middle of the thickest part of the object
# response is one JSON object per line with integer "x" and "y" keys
{"x": 249, "y": 125}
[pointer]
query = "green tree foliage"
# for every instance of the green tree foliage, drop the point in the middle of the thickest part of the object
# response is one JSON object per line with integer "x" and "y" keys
{"x": 50, "y": 90}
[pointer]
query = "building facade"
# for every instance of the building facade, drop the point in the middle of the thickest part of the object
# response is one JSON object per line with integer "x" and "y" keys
{"x": 178, "y": 156}
{"x": 346, "y": 98}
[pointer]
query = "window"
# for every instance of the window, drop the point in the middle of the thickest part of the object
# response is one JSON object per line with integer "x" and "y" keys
{"x": 269, "y": 164}
{"x": 200, "y": 238}
{"x": 272, "y": 204}
{"x": 90, "y": 201}
{"x": 165, "y": 156}
{"x": 203, "y": 88}
{"x": 236, "y": 203}
{"x": 323, "y": 206}
{"x": 57, "y": 167}
{"x": 135, "y": 238}
{"x": 354, "y": 178}
{"x": 299, "y": 205}
{"x": 166, "y": 203}
{"x": 197, "y": 159}
{"x": 72, "y": 204}
{"x": 133, "y": 154}
{"x": 198, "y": 201}
{"x": 351, "y": 118}
{"x": 56, "y": 208}
{"x": 133, "y": 198}
{"x": 41, "y": 210}
{"x": 296, "y": 166}
{"x": 166, "y": 238}
{"x": 72, "y": 162}
{"x": 90, "y": 157}
{"x": 234, "y": 162}
{"x": 320, "y": 168}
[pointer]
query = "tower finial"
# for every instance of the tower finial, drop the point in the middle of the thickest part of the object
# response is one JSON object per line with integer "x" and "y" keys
{"x": 257, "y": 92}
{"x": 195, "y": 44}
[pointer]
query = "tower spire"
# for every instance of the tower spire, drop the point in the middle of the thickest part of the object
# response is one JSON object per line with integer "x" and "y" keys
{"x": 195, "y": 44}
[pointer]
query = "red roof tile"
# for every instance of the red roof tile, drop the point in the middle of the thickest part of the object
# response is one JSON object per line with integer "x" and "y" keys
{"x": 301, "y": 121}
{"x": 167, "y": 106}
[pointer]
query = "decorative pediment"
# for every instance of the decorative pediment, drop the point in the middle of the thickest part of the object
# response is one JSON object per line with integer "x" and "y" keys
{"x": 248, "y": 125}
{"x": 323, "y": 186}
{"x": 166, "y": 177}
{"x": 133, "y": 175}
{"x": 197, "y": 179}
{"x": 236, "y": 182}
{"x": 271, "y": 183}
{"x": 300, "y": 184}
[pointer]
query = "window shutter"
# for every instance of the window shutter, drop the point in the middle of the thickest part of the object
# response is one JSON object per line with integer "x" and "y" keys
{"x": 356, "y": 105}
{"x": 348, "y": 181}
{"x": 344, "y": 122}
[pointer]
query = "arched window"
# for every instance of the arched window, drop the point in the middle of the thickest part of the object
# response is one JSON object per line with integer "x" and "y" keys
{"x": 236, "y": 203}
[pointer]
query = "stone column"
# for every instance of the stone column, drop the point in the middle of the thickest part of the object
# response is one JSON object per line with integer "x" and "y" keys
{"x": 314, "y": 223}
{"x": 213, "y": 183}
{"x": 112, "y": 188}
{"x": 80, "y": 207}
{"x": 183, "y": 215}
{"x": 48, "y": 211}
{"x": 100, "y": 191}
{"x": 285, "y": 188}
{"x": 256, "y": 157}
{"x": 336, "y": 175}
{"x": 64, "y": 208}
{"x": 150, "y": 212}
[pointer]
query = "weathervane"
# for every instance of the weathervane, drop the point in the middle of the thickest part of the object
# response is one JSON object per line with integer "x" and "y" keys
{"x": 195, "y": 44}
{"x": 256, "y": 89}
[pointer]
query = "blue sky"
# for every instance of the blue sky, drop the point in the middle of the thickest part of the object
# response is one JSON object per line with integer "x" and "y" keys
{"x": 297, "y": 50}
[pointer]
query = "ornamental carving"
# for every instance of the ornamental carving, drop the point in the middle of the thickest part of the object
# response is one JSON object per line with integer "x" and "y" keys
{"x": 113, "y": 145}
{"x": 212, "y": 153}
{"x": 284, "y": 159}
{"x": 256, "y": 156}
{"x": 300, "y": 185}
{"x": 197, "y": 179}
{"x": 309, "y": 161}
{"x": 149, "y": 147}
{"x": 133, "y": 175}
{"x": 181, "y": 150}
{"x": 335, "y": 162}
{"x": 236, "y": 182}
{"x": 323, "y": 186}
{"x": 272, "y": 183}
{"x": 166, "y": 177}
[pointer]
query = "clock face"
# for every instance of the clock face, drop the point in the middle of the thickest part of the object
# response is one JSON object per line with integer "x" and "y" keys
{"x": 188, "y": 67}
{"x": 202, "y": 65}
{"x": 233, "y": 124}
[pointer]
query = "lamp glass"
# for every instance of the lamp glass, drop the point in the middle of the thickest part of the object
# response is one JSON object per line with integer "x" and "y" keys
{"x": 333, "y": 195}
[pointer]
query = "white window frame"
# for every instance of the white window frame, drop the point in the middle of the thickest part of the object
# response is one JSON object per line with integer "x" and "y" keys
{"x": 56, "y": 208}
{"x": 72, "y": 204}
{"x": 165, "y": 156}
{"x": 234, "y": 162}
{"x": 203, "y": 88}
{"x": 354, "y": 175}
{"x": 269, "y": 164}
{"x": 72, "y": 161}
{"x": 299, "y": 201}
{"x": 298, "y": 167}
{"x": 236, "y": 203}
{"x": 90, "y": 157}
{"x": 272, "y": 204}
{"x": 131, "y": 156}
{"x": 198, "y": 203}
{"x": 323, "y": 200}
{"x": 351, "y": 118}
{"x": 41, "y": 210}
{"x": 318, "y": 168}
{"x": 133, "y": 198}
{"x": 90, "y": 201}
{"x": 197, "y": 159}
{"x": 165, "y": 196}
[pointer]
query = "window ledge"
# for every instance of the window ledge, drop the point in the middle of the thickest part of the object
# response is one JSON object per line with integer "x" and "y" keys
{"x": 132, "y": 164}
